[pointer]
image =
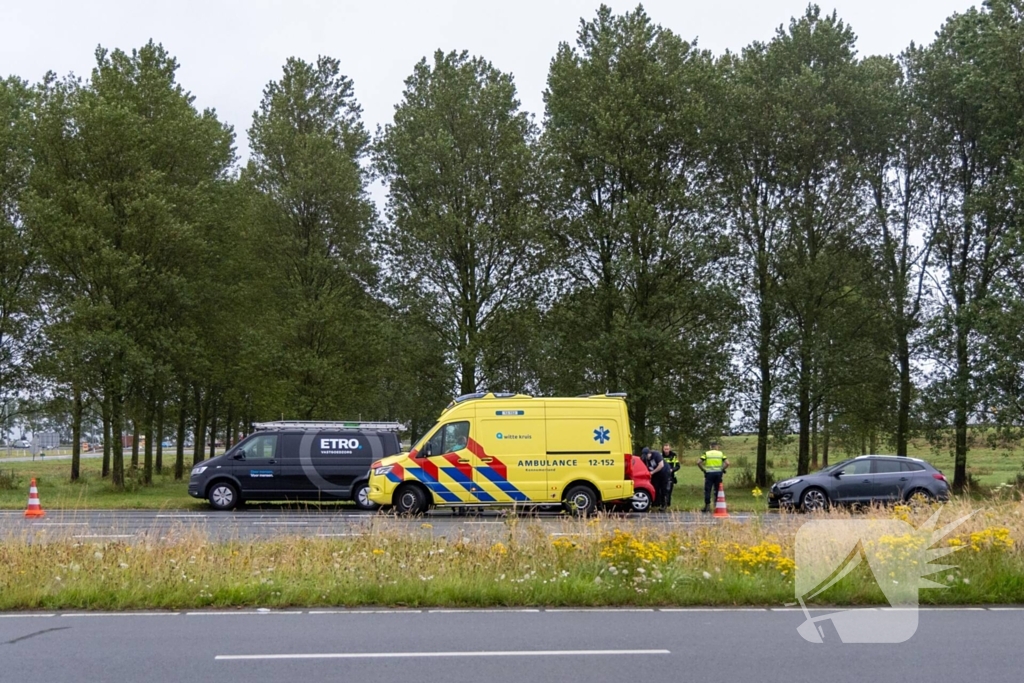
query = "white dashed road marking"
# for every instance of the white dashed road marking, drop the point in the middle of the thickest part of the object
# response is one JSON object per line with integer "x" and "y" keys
{"x": 403, "y": 655}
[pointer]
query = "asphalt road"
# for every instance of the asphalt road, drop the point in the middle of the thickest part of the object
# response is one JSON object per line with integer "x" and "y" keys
{"x": 268, "y": 522}
{"x": 497, "y": 646}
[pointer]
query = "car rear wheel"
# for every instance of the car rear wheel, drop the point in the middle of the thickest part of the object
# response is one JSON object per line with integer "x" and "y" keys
{"x": 410, "y": 500}
{"x": 361, "y": 497}
{"x": 223, "y": 496}
{"x": 641, "y": 501}
{"x": 920, "y": 497}
{"x": 813, "y": 500}
{"x": 581, "y": 500}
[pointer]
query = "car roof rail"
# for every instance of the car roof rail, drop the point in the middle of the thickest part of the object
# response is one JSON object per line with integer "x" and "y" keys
{"x": 340, "y": 424}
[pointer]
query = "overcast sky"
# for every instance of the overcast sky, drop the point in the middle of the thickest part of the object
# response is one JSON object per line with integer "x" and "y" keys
{"x": 229, "y": 49}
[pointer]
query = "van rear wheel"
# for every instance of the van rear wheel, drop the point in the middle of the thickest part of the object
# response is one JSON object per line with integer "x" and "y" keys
{"x": 581, "y": 500}
{"x": 361, "y": 497}
{"x": 410, "y": 500}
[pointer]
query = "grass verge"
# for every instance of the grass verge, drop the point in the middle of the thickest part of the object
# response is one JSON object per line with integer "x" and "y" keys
{"x": 598, "y": 562}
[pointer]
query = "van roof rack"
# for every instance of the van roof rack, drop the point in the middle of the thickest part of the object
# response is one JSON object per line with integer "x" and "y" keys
{"x": 342, "y": 424}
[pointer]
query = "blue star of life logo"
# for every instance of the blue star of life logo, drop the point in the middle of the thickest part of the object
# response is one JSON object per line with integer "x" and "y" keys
{"x": 601, "y": 435}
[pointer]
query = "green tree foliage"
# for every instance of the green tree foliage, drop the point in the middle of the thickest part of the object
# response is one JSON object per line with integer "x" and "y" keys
{"x": 19, "y": 310}
{"x": 462, "y": 235}
{"x": 969, "y": 81}
{"x": 647, "y": 305}
{"x": 312, "y": 221}
{"x": 125, "y": 167}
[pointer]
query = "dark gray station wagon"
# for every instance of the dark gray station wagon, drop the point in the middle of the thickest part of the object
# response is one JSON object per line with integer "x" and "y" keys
{"x": 862, "y": 481}
{"x": 313, "y": 461}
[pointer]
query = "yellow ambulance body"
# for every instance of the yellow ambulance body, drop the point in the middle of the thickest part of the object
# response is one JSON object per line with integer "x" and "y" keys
{"x": 513, "y": 449}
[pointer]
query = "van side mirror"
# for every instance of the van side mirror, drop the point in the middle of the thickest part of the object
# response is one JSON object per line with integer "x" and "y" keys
{"x": 240, "y": 455}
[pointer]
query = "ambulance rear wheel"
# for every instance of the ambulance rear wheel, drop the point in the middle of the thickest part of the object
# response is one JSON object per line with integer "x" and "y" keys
{"x": 581, "y": 500}
{"x": 410, "y": 500}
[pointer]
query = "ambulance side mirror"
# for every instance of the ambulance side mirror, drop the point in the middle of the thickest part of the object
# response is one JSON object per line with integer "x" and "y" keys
{"x": 428, "y": 450}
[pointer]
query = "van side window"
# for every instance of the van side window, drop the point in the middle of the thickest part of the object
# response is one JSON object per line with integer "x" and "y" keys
{"x": 261, "y": 448}
{"x": 449, "y": 438}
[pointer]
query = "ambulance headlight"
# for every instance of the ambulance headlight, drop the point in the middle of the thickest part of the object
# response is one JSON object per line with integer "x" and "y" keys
{"x": 381, "y": 471}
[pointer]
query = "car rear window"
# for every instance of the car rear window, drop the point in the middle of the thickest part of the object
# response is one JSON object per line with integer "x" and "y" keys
{"x": 887, "y": 466}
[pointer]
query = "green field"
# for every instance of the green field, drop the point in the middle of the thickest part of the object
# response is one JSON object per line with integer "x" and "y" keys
{"x": 989, "y": 466}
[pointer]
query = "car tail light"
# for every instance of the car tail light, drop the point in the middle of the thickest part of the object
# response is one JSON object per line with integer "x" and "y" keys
{"x": 940, "y": 476}
{"x": 628, "y": 473}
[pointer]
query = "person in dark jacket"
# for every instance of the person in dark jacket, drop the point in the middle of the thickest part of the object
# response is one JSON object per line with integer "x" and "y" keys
{"x": 672, "y": 462}
{"x": 661, "y": 476}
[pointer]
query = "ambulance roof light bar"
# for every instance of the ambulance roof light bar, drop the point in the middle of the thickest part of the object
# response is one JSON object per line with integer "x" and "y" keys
{"x": 341, "y": 424}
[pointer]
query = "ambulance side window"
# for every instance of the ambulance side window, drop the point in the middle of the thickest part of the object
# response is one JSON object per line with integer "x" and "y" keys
{"x": 448, "y": 439}
{"x": 456, "y": 436}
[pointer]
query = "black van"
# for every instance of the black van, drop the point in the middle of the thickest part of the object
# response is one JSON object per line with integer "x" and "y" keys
{"x": 320, "y": 461}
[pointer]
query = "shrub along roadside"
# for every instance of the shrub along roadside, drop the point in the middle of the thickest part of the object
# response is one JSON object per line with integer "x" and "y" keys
{"x": 596, "y": 562}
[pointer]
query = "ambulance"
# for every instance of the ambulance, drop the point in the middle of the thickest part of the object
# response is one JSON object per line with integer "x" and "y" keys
{"x": 501, "y": 450}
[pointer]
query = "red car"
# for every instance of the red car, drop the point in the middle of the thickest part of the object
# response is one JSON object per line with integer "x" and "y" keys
{"x": 643, "y": 490}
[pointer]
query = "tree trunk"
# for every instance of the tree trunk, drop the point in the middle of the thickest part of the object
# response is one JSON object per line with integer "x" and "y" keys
{"x": 903, "y": 410}
{"x": 117, "y": 433}
{"x": 202, "y": 407}
{"x": 213, "y": 429}
{"x": 825, "y": 436}
{"x": 179, "y": 444}
{"x": 135, "y": 444}
{"x": 107, "y": 435}
{"x": 229, "y": 428}
{"x": 804, "y": 411}
{"x": 160, "y": 436}
{"x": 963, "y": 380}
{"x": 639, "y": 414}
{"x": 814, "y": 438}
{"x": 764, "y": 363}
{"x": 873, "y": 442}
{"x": 76, "y": 433}
{"x": 147, "y": 466}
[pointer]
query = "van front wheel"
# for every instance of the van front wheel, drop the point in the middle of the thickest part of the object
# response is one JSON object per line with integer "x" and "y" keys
{"x": 410, "y": 500}
{"x": 581, "y": 500}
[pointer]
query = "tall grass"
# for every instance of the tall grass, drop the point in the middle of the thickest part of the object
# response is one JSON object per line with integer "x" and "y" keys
{"x": 593, "y": 562}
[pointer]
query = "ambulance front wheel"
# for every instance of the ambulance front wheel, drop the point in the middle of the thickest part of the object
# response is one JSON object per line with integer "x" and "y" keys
{"x": 581, "y": 500}
{"x": 410, "y": 500}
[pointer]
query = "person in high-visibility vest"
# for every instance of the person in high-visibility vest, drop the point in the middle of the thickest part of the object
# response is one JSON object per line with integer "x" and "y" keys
{"x": 713, "y": 464}
{"x": 672, "y": 462}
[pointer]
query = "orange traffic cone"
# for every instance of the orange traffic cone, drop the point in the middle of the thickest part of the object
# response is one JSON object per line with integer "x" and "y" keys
{"x": 34, "y": 509}
{"x": 720, "y": 509}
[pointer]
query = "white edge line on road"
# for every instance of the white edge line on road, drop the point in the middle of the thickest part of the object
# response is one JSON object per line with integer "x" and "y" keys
{"x": 481, "y": 611}
{"x": 24, "y": 616}
{"x": 401, "y": 655}
{"x": 600, "y": 609}
{"x": 58, "y": 523}
{"x": 182, "y": 516}
{"x": 949, "y": 609}
{"x": 241, "y": 612}
{"x": 104, "y": 536}
{"x": 120, "y": 614}
{"x": 1006, "y": 609}
{"x": 365, "y": 611}
{"x": 335, "y": 535}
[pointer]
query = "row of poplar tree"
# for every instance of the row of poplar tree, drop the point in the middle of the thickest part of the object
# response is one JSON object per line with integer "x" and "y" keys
{"x": 825, "y": 244}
